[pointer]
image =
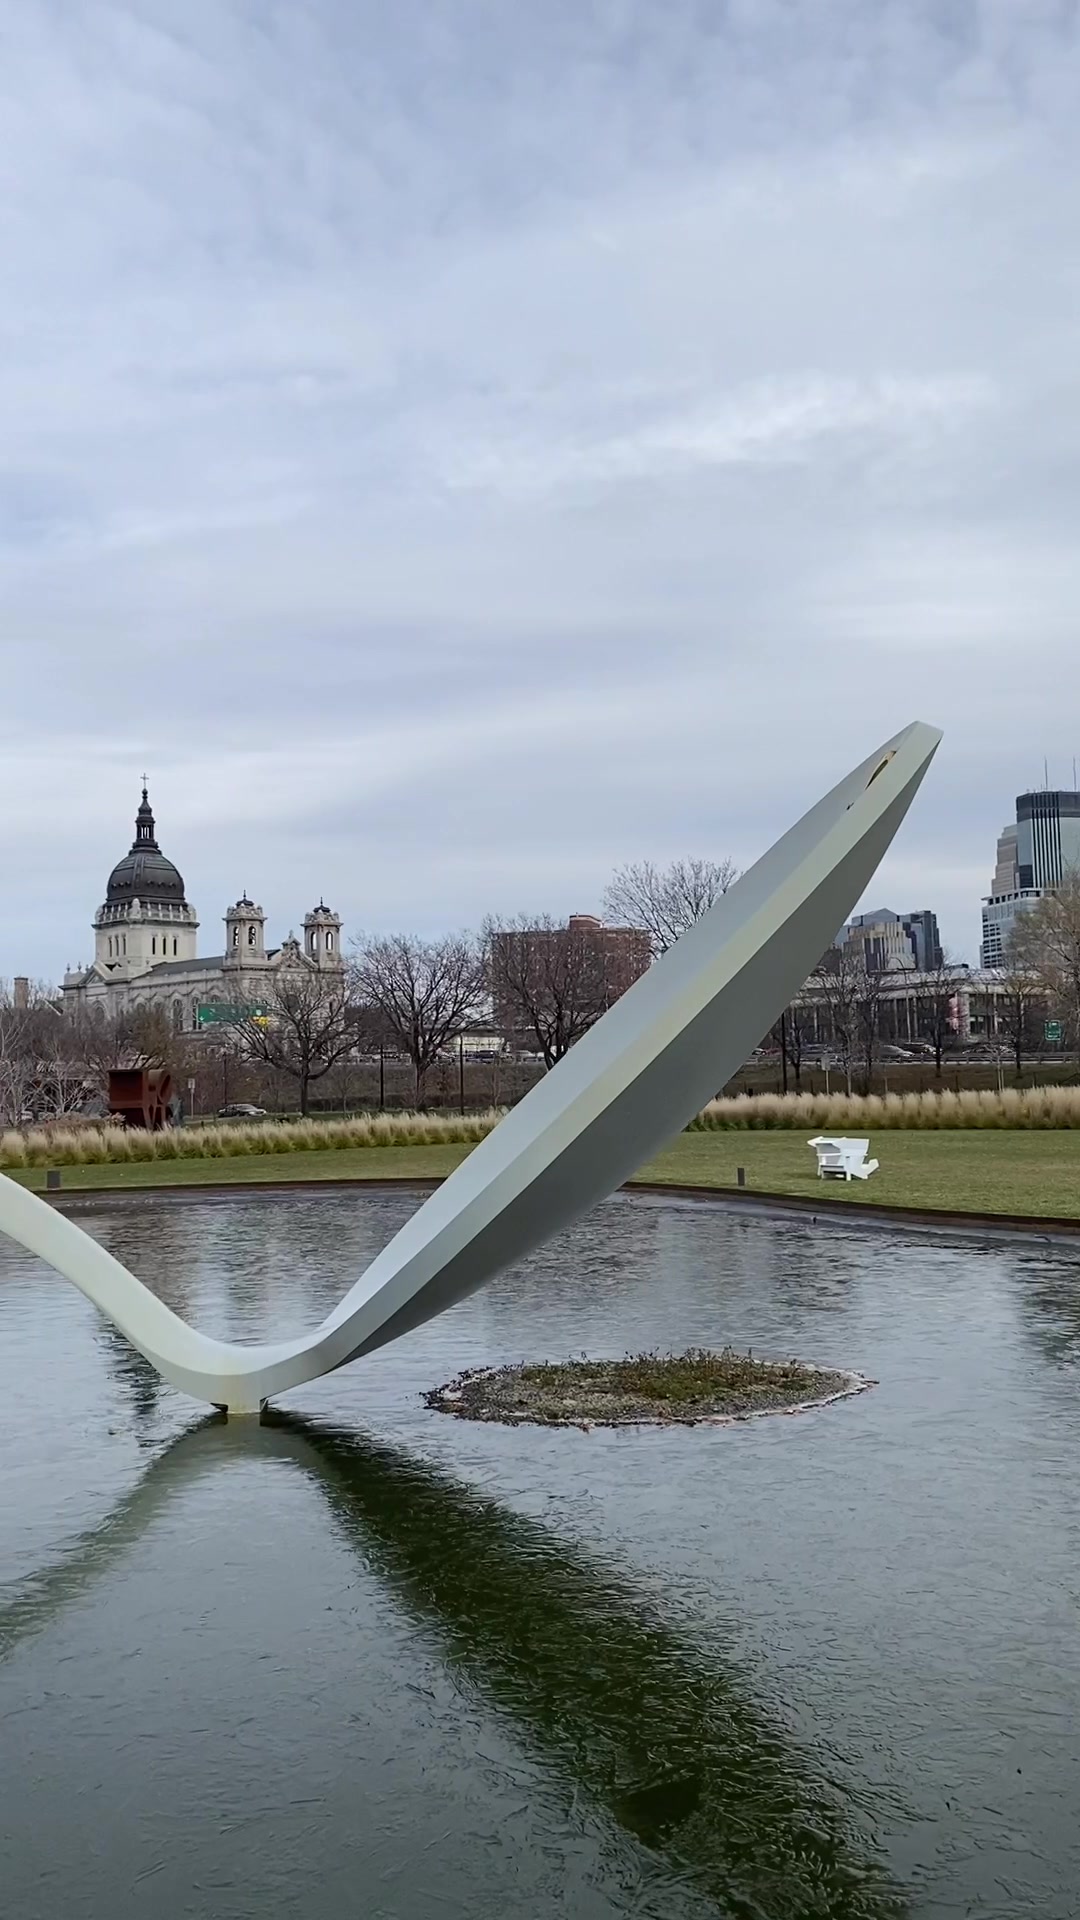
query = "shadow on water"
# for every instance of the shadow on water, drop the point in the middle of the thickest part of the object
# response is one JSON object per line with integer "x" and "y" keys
{"x": 669, "y": 1740}
{"x": 138, "y": 1380}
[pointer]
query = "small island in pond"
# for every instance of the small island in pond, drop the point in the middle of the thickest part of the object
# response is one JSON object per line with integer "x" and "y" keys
{"x": 666, "y": 1389}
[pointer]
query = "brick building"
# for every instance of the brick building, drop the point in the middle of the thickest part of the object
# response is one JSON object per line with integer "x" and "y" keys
{"x": 585, "y": 962}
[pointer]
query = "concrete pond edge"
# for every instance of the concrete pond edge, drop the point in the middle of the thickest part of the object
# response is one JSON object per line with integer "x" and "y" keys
{"x": 824, "y": 1211}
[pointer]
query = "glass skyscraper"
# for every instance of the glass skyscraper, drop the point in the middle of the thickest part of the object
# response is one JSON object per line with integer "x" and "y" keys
{"x": 1032, "y": 858}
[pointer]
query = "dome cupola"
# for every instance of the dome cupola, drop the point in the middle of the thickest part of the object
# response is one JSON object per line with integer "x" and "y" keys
{"x": 145, "y": 919}
{"x": 144, "y": 873}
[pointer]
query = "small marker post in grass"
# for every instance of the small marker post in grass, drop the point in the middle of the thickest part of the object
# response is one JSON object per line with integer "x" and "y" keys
{"x": 740, "y": 1176}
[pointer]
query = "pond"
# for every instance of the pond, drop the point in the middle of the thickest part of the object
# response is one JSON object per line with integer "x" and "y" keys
{"x": 366, "y": 1659}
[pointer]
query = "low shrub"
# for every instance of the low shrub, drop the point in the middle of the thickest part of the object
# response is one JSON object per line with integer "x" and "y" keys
{"x": 103, "y": 1142}
{"x": 876, "y": 1113}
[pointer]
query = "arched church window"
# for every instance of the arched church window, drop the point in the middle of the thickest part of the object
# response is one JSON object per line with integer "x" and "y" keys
{"x": 153, "y": 943}
{"x": 174, "y": 946}
{"x": 252, "y": 936}
{"x": 329, "y": 943}
{"x": 236, "y": 936}
{"x": 178, "y": 1015}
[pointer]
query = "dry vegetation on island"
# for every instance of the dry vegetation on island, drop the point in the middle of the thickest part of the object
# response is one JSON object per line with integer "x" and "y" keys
{"x": 666, "y": 1389}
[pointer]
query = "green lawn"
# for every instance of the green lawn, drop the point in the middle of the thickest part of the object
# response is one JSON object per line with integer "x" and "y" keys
{"x": 982, "y": 1171}
{"x": 985, "y": 1171}
{"x": 347, "y": 1163}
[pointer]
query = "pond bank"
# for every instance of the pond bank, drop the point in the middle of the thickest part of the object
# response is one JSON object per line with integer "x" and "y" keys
{"x": 1019, "y": 1181}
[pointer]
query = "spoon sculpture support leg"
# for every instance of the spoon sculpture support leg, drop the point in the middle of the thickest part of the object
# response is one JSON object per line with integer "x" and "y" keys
{"x": 634, "y": 1080}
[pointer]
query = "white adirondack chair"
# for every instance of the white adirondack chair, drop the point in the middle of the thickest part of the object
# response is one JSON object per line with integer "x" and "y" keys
{"x": 841, "y": 1159}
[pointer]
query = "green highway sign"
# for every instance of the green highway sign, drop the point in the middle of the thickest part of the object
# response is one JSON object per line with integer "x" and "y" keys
{"x": 1052, "y": 1032}
{"x": 219, "y": 1013}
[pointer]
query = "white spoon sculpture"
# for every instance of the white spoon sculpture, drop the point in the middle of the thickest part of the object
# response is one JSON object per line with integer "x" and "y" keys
{"x": 623, "y": 1092}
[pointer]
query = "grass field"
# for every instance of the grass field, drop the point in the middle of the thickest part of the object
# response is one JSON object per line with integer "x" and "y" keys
{"x": 988, "y": 1171}
{"x": 263, "y": 1169}
{"x": 969, "y": 1172}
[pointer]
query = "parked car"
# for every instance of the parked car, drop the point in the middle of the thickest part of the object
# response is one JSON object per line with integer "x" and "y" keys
{"x": 242, "y": 1111}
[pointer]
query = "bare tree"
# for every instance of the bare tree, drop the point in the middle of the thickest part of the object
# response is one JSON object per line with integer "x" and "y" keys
{"x": 548, "y": 982}
{"x": 1046, "y": 940}
{"x": 424, "y": 991}
{"x": 41, "y": 1072}
{"x": 666, "y": 900}
{"x": 871, "y": 985}
{"x": 139, "y": 1036}
{"x": 840, "y": 978}
{"x": 61, "y": 1079}
{"x": 16, "y": 1062}
{"x": 302, "y": 1027}
{"x": 791, "y": 1036}
{"x": 855, "y": 994}
{"x": 1019, "y": 1000}
{"x": 935, "y": 1002}
{"x": 997, "y": 1044}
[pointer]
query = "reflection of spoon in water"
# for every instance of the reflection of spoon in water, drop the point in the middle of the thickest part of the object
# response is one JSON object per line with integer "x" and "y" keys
{"x": 670, "y": 1739}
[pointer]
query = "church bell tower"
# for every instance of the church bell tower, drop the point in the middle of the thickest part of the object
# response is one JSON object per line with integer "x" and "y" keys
{"x": 245, "y": 936}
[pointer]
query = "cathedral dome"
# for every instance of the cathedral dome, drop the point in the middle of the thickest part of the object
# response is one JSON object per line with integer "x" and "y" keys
{"x": 144, "y": 873}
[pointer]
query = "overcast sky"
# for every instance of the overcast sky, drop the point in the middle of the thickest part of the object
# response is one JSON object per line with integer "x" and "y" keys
{"x": 456, "y": 448}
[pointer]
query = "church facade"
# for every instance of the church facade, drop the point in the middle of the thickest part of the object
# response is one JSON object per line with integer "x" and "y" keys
{"x": 146, "y": 945}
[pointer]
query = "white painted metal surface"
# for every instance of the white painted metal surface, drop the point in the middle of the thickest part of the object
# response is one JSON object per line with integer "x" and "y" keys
{"x": 843, "y": 1159}
{"x": 621, "y": 1094}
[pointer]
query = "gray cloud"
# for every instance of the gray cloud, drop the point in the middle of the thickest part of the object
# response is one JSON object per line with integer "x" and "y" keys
{"x": 456, "y": 450}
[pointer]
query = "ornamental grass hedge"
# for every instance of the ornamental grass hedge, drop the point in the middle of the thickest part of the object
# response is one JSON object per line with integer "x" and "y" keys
{"x": 80, "y": 1143}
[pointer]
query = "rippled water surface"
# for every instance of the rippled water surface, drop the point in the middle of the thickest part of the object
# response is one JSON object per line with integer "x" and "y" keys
{"x": 367, "y": 1660}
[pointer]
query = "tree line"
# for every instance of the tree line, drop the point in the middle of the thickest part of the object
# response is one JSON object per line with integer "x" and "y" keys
{"x": 412, "y": 998}
{"x": 1038, "y": 983}
{"x": 850, "y": 1003}
{"x": 52, "y": 1062}
{"x": 408, "y": 996}
{"x": 550, "y": 982}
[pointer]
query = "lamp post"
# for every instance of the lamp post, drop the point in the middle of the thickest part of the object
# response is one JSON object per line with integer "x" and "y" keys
{"x": 461, "y": 1073}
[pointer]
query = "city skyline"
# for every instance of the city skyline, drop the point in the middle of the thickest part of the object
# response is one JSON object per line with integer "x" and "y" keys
{"x": 77, "y": 952}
